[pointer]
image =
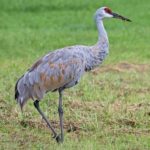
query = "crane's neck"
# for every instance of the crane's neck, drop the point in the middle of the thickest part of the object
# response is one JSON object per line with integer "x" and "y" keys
{"x": 99, "y": 51}
{"x": 102, "y": 34}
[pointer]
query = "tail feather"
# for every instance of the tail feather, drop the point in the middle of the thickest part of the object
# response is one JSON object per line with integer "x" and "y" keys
{"x": 16, "y": 91}
{"x": 25, "y": 89}
{"x": 21, "y": 95}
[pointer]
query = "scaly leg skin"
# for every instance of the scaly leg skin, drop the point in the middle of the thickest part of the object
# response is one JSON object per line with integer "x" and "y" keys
{"x": 60, "y": 111}
{"x": 36, "y": 104}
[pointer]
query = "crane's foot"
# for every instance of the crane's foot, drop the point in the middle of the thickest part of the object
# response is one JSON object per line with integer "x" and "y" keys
{"x": 58, "y": 138}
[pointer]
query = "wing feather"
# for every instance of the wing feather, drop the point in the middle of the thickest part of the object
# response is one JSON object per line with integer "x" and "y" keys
{"x": 56, "y": 70}
{"x": 59, "y": 69}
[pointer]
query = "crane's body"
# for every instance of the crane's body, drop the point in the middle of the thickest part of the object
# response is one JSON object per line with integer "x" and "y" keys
{"x": 62, "y": 69}
{"x": 59, "y": 69}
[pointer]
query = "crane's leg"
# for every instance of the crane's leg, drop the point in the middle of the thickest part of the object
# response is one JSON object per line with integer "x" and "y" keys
{"x": 36, "y": 104}
{"x": 60, "y": 111}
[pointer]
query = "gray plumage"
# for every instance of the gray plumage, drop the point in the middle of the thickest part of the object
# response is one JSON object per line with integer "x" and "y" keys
{"x": 59, "y": 69}
{"x": 62, "y": 69}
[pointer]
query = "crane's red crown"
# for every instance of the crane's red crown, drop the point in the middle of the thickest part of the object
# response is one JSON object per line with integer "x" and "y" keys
{"x": 108, "y": 10}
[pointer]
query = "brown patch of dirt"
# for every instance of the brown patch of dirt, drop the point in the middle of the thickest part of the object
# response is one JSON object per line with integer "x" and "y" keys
{"x": 94, "y": 105}
{"x": 127, "y": 91}
{"x": 135, "y": 107}
{"x": 122, "y": 67}
{"x": 117, "y": 105}
{"x": 127, "y": 122}
{"x": 32, "y": 124}
{"x": 68, "y": 125}
{"x": 73, "y": 127}
{"x": 132, "y": 131}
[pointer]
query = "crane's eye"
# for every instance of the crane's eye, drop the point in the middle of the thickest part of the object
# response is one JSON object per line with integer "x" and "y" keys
{"x": 108, "y": 10}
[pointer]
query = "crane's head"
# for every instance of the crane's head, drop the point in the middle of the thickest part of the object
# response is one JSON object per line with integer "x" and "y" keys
{"x": 105, "y": 12}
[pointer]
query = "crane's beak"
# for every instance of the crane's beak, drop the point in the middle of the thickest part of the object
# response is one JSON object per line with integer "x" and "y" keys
{"x": 120, "y": 17}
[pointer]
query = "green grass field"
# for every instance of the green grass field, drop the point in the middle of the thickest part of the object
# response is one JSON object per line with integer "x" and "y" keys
{"x": 110, "y": 108}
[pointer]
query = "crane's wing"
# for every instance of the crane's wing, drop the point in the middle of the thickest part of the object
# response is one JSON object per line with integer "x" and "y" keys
{"x": 55, "y": 70}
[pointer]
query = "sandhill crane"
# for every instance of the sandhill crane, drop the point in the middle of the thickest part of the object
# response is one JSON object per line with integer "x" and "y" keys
{"x": 63, "y": 69}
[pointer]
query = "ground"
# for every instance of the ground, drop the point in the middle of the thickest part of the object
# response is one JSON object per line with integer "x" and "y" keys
{"x": 109, "y": 108}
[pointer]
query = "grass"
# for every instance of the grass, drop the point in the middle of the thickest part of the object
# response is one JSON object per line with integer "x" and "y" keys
{"x": 110, "y": 107}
